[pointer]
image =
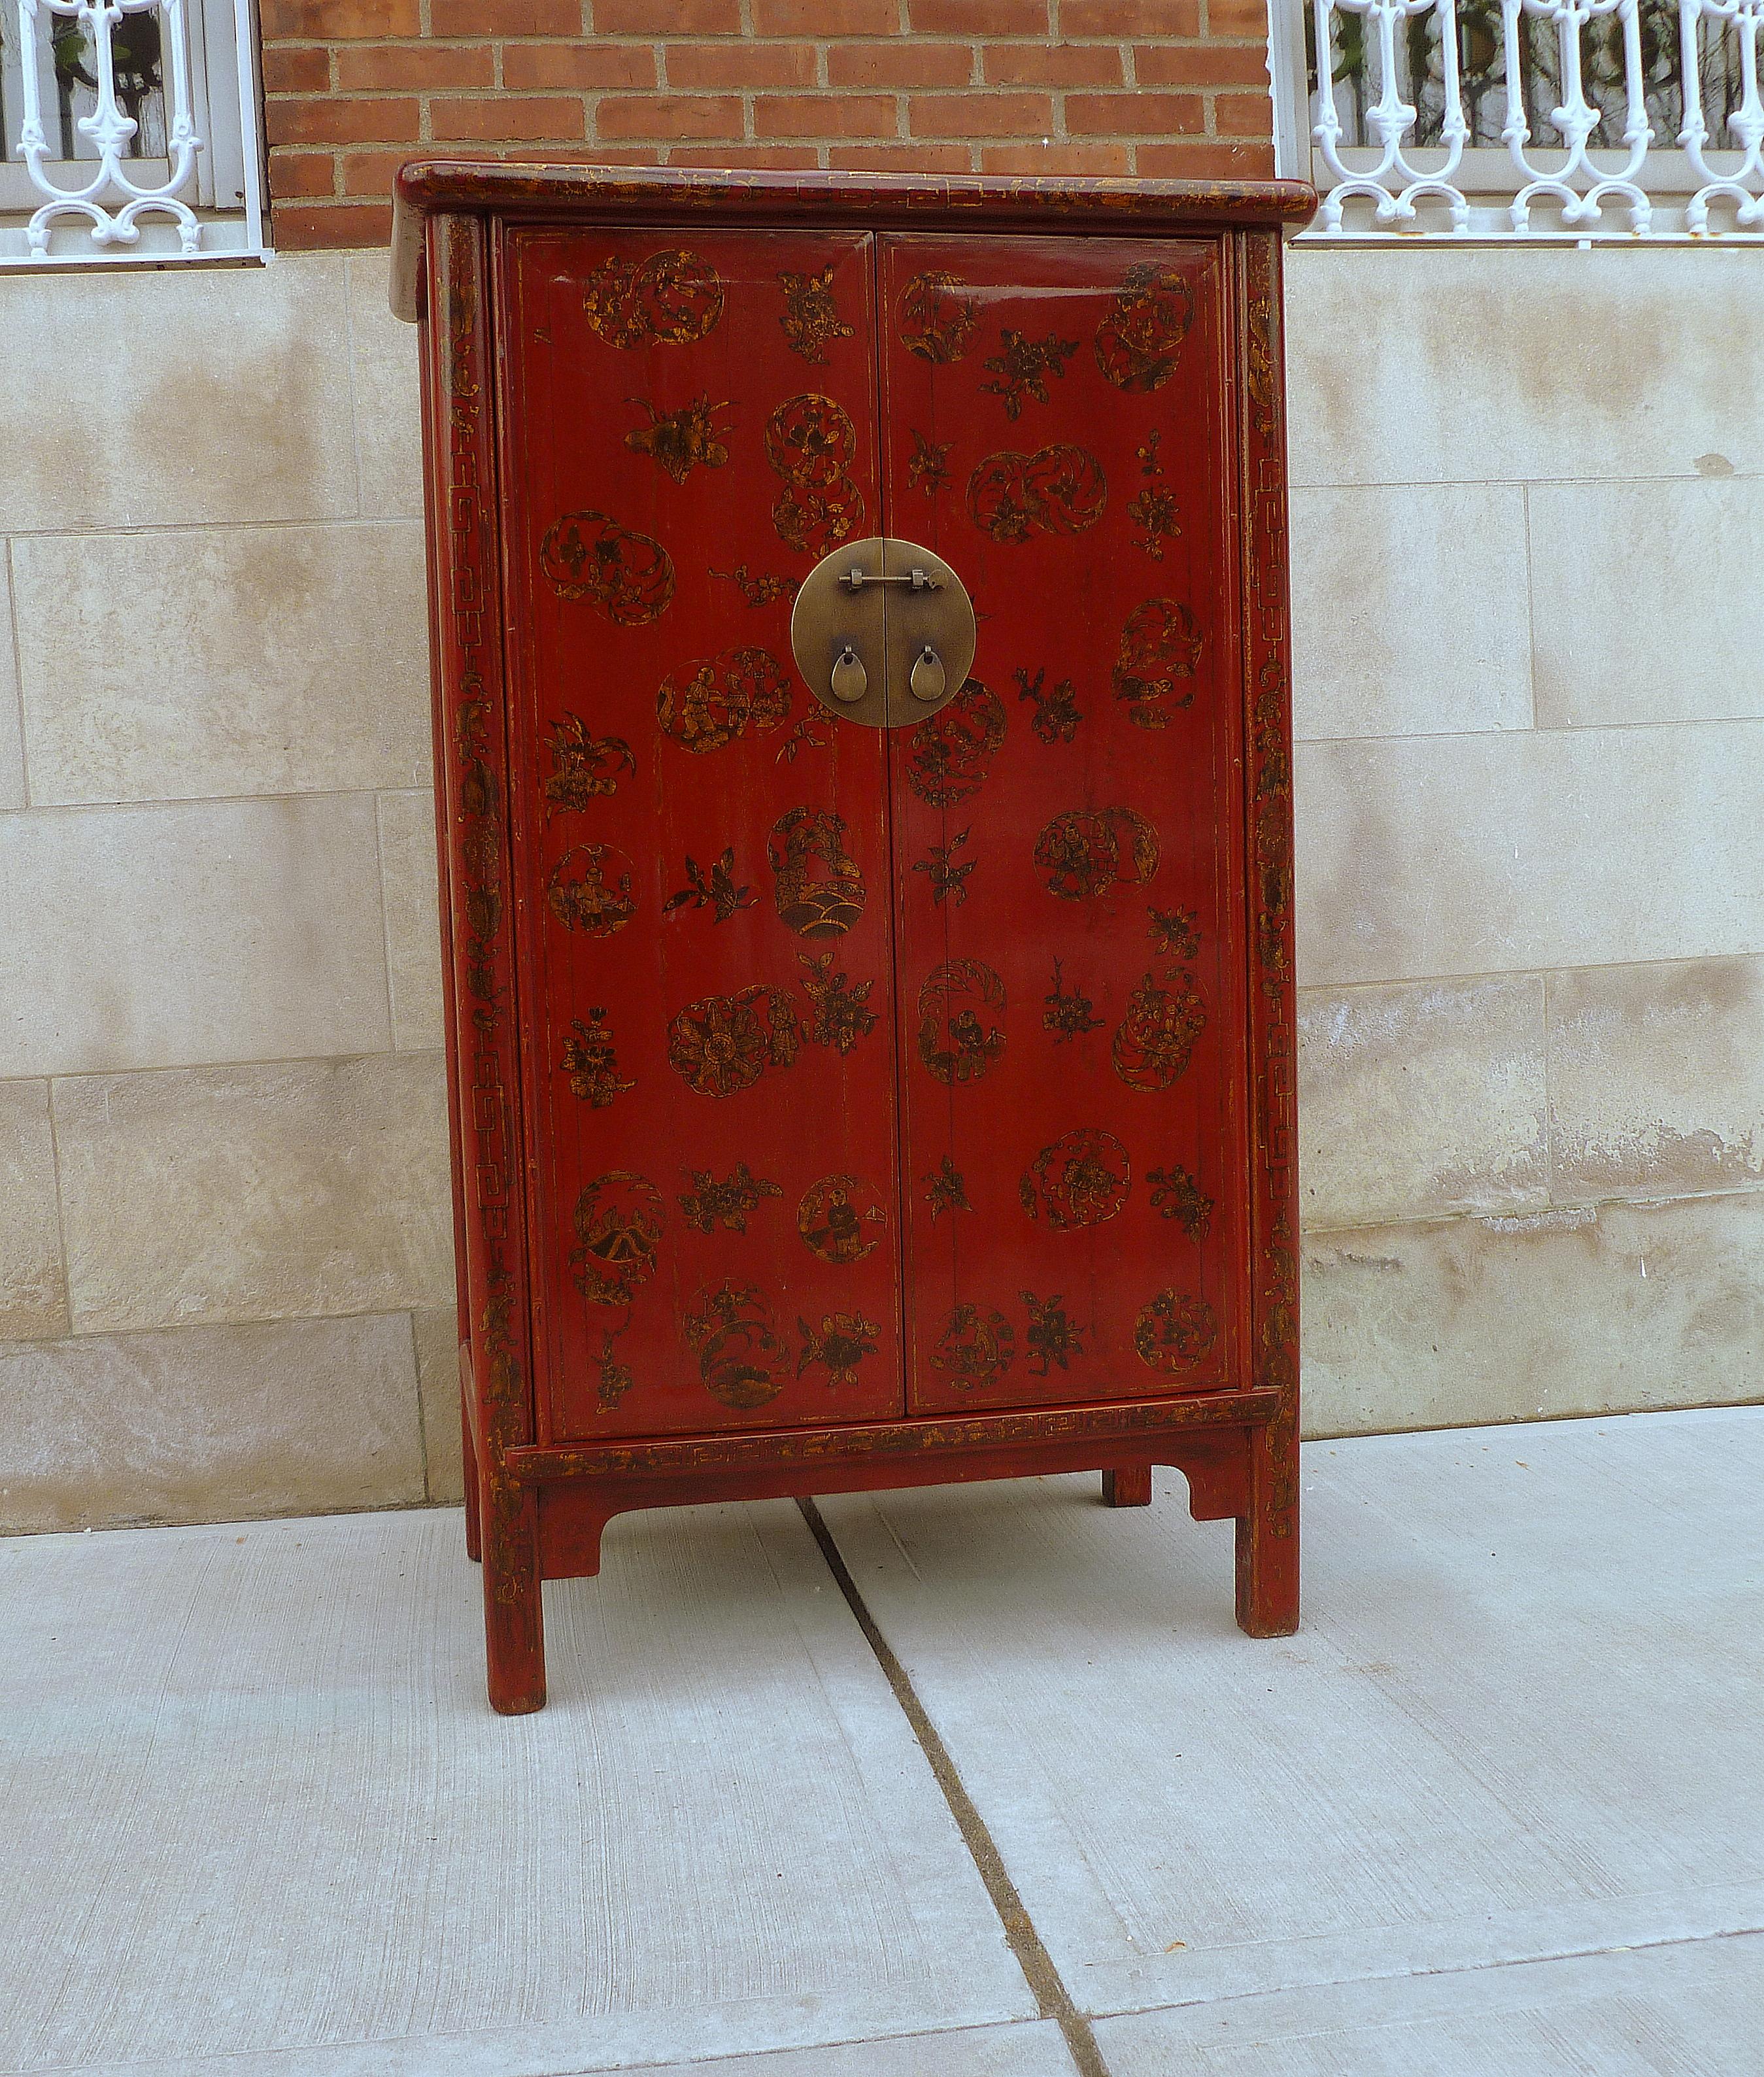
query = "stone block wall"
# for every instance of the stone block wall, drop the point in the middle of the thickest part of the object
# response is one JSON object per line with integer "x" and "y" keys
{"x": 1530, "y": 790}
{"x": 226, "y": 1274}
{"x": 1531, "y": 780}
{"x": 352, "y": 88}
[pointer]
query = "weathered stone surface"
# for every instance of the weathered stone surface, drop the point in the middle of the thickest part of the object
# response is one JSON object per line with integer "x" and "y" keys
{"x": 1645, "y": 600}
{"x": 146, "y": 937}
{"x": 1420, "y": 1100}
{"x": 1498, "y": 365}
{"x": 207, "y": 1423}
{"x": 11, "y": 734}
{"x": 407, "y": 868}
{"x": 1657, "y": 1079}
{"x": 1409, "y": 610}
{"x": 1583, "y": 1310}
{"x": 255, "y": 1192}
{"x": 386, "y": 392}
{"x": 178, "y": 398}
{"x": 238, "y": 659}
{"x": 438, "y": 1379}
{"x": 33, "y": 1281}
{"x": 1491, "y": 854}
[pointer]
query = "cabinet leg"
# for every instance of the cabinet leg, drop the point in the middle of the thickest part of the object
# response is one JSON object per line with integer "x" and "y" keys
{"x": 1128, "y": 1485}
{"x": 513, "y": 1611}
{"x": 1268, "y": 1535}
{"x": 468, "y": 1460}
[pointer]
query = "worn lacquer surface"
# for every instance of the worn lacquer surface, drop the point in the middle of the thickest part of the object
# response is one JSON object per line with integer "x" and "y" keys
{"x": 704, "y": 846}
{"x": 1070, "y": 953}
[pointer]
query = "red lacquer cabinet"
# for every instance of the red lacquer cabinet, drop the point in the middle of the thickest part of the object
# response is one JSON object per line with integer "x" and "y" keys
{"x": 869, "y": 1066}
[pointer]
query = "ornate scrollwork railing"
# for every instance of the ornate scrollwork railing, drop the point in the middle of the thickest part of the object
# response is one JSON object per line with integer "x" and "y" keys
{"x": 1537, "y": 115}
{"x": 113, "y": 98}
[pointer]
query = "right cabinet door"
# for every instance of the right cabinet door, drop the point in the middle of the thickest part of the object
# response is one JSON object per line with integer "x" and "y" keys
{"x": 1067, "y": 833}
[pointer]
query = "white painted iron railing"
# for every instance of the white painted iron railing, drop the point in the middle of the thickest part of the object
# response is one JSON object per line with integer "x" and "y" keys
{"x": 1559, "y": 119}
{"x": 131, "y": 132}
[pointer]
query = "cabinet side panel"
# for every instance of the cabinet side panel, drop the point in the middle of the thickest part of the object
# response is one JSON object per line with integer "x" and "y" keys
{"x": 700, "y": 845}
{"x": 1267, "y": 692}
{"x": 472, "y": 770}
{"x": 434, "y": 429}
{"x": 1068, "y": 830}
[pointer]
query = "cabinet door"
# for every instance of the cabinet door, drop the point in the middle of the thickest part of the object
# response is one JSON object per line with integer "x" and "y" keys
{"x": 689, "y": 424}
{"x": 1066, "y": 831}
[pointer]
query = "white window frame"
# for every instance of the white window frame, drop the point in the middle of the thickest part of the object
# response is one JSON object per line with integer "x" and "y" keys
{"x": 203, "y": 202}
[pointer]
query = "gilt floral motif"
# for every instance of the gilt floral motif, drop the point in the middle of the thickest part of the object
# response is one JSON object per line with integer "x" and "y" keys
{"x": 628, "y": 575}
{"x": 584, "y": 767}
{"x": 591, "y": 1061}
{"x": 671, "y": 298}
{"x": 811, "y": 319}
{"x": 709, "y": 1204}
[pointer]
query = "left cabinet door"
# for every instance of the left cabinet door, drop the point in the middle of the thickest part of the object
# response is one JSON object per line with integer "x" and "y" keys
{"x": 689, "y": 424}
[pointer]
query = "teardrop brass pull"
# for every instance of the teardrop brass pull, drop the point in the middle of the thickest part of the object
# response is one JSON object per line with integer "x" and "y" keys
{"x": 849, "y": 676}
{"x": 927, "y": 680}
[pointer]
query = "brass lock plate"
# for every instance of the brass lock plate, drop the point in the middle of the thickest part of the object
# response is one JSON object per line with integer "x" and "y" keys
{"x": 865, "y": 618}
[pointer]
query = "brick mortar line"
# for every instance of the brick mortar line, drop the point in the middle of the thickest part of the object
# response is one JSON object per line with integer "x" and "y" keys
{"x": 1040, "y": 1972}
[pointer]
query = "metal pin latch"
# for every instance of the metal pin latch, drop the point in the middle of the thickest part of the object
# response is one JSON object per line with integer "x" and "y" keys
{"x": 854, "y": 579}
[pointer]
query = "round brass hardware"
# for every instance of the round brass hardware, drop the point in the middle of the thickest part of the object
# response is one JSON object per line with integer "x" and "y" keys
{"x": 884, "y": 632}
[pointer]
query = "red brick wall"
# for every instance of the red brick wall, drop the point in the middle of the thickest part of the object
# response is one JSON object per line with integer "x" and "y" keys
{"x": 354, "y": 87}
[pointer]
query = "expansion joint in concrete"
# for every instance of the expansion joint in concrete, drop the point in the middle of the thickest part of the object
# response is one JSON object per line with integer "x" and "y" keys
{"x": 1045, "y": 1982}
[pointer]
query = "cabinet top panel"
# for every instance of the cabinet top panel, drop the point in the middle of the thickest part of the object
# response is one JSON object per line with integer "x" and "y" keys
{"x": 625, "y": 195}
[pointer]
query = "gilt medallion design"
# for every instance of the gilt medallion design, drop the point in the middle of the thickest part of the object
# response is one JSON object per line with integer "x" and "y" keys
{"x": 947, "y": 757}
{"x": 671, "y": 298}
{"x": 730, "y": 1331}
{"x": 961, "y": 1036}
{"x": 678, "y": 442}
{"x": 977, "y": 1346}
{"x": 618, "y": 1220}
{"x": 591, "y": 1061}
{"x": 1060, "y": 489}
{"x": 1156, "y": 1039}
{"x": 838, "y": 1346}
{"x": 590, "y": 890}
{"x": 628, "y": 575}
{"x": 937, "y": 321}
{"x": 584, "y": 767}
{"x": 1137, "y": 339}
{"x": 810, "y": 442}
{"x": 840, "y": 1219}
{"x": 843, "y": 1015}
{"x": 1087, "y": 851}
{"x": 1021, "y": 366}
{"x": 722, "y": 1044}
{"x": 1175, "y": 1333}
{"x": 1160, "y": 647}
{"x": 811, "y": 319}
{"x": 1081, "y": 1180}
{"x": 818, "y": 891}
{"x": 708, "y": 703}
{"x": 710, "y": 1205}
